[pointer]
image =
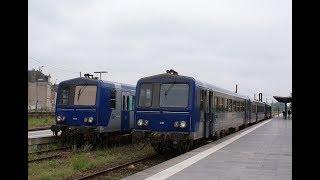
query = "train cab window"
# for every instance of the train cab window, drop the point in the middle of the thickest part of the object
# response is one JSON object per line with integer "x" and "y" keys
{"x": 85, "y": 95}
{"x": 113, "y": 99}
{"x": 145, "y": 96}
{"x": 174, "y": 95}
{"x": 64, "y": 96}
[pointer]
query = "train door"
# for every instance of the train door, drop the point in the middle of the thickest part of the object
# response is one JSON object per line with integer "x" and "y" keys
{"x": 125, "y": 123}
{"x": 131, "y": 111}
{"x": 207, "y": 118}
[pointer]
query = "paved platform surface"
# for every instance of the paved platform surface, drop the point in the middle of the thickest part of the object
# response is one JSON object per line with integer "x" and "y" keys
{"x": 39, "y": 134}
{"x": 262, "y": 151}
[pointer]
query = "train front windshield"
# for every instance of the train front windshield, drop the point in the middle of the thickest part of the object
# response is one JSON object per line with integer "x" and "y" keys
{"x": 78, "y": 95}
{"x": 164, "y": 95}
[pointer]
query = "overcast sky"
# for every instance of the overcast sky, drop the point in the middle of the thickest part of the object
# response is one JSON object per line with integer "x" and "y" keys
{"x": 223, "y": 42}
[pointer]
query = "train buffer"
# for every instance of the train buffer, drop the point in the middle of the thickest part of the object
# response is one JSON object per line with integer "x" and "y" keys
{"x": 261, "y": 151}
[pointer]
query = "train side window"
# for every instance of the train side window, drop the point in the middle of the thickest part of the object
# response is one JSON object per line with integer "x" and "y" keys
{"x": 123, "y": 102}
{"x": 222, "y": 104}
{"x": 202, "y": 99}
{"x": 133, "y": 101}
{"x": 229, "y": 105}
{"x": 236, "y": 106}
{"x": 113, "y": 99}
{"x": 210, "y": 101}
{"x": 242, "y": 106}
{"x": 215, "y": 103}
{"x": 128, "y": 104}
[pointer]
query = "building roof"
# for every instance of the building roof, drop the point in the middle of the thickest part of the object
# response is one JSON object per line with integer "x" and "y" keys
{"x": 35, "y": 75}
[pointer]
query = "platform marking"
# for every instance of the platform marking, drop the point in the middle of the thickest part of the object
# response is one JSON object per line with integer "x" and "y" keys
{"x": 188, "y": 162}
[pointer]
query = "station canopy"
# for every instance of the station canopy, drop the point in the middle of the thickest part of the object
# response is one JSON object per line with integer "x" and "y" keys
{"x": 283, "y": 99}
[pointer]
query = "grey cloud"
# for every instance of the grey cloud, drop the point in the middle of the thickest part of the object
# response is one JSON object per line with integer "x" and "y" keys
{"x": 222, "y": 42}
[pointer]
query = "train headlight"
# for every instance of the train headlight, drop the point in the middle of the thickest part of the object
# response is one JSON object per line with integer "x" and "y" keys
{"x": 145, "y": 122}
{"x": 85, "y": 119}
{"x": 140, "y": 122}
{"x": 183, "y": 124}
{"x": 90, "y": 119}
{"x": 61, "y": 118}
{"x": 176, "y": 124}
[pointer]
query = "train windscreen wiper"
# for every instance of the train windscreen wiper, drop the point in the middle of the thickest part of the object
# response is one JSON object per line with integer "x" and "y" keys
{"x": 81, "y": 90}
{"x": 167, "y": 90}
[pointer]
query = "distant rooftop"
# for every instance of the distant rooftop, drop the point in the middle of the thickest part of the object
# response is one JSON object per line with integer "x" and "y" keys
{"x": 36, "y": 75}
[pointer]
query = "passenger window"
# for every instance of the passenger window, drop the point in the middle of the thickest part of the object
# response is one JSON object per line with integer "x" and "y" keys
{"x": 211, "y": 101}
{"x": 113, "y": 99}
{"x": 222, "y": 104}
{"x": 133, "y": 101}
{"x": 216, "y": 103}
{"x": 202, "y": 100}
{"x": 123, "y": 102}
{"x": 128, "y": 104}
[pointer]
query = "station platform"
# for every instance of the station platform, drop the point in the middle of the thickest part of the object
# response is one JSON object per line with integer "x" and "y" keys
{"x": 41, "y": 137}
{"x": 40, "y": 133}
{"x": 261, "y": 151}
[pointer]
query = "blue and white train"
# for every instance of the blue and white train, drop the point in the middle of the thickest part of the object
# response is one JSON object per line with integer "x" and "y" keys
{"x": 87, "y": 105}
{"x": 176, "y": 110}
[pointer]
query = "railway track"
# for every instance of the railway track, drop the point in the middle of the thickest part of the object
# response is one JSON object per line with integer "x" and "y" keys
{"x": 45, "y": 158}
{"x": 112, "y": 169}
{"x": 50, "y": 150}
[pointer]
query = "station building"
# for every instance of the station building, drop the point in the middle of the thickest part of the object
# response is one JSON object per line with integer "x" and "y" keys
{"x": 41, "y": 92}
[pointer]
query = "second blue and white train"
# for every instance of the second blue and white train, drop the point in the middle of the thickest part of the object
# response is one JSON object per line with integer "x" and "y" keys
{"x": 175, "y": 111}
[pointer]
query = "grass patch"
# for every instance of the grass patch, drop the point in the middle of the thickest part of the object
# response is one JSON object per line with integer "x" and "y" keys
{"x": 76, "y": 163}
{"x": 34, "y": 122}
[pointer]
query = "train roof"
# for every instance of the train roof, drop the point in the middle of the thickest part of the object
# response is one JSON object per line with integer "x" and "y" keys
{"x": 89, "y": 81}
{"x": 220, "y": 90}
{"x": 177, "y": 78}
{"x": 259, "y": 102}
